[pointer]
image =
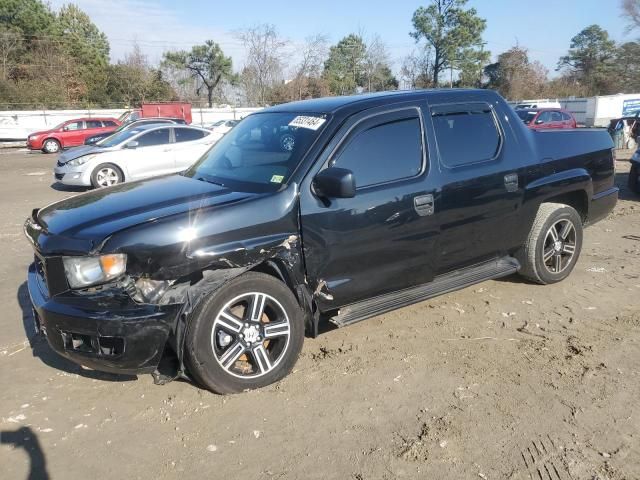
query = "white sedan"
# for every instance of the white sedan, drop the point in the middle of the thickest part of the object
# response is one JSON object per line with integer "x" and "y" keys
{"x": 132, "y": 154}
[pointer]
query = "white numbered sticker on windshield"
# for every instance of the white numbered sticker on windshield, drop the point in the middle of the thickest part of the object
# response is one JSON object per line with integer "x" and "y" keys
{"x": 312, "y": 123}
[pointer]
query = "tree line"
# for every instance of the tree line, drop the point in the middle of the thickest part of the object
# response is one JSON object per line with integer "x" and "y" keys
{"x": 57, "y": 59}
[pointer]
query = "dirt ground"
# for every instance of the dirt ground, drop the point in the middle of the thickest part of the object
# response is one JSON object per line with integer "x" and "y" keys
{"x": 501, "y": 380}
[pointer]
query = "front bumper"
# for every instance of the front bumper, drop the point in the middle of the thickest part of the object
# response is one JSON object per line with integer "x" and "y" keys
{"x": 34, "y": 144}
{"x": 104, "y": 330}
{"x": 72, "y": 176}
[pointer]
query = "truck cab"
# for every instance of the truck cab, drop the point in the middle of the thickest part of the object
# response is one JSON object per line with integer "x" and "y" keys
{"x": 375, "y": 202}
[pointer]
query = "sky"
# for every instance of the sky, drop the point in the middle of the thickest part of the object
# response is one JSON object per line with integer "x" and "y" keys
{"x": 545, "y": 27}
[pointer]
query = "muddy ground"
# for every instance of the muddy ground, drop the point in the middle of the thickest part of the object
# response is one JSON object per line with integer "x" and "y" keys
{"x": 501, "y": 380}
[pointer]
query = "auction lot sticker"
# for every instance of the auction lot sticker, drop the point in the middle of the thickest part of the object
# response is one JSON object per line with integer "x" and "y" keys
{"x": 312, "y": 123}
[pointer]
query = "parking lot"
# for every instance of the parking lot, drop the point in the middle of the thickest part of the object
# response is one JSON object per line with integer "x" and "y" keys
{"x": 501, "y": 380}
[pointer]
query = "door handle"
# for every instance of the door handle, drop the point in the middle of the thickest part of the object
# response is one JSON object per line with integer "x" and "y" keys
{"x": 511, "y": 182}
{"x": 423, "y": 205}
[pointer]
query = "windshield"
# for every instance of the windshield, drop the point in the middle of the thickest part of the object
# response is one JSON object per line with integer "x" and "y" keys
{"x": 526, "y": 116}
{"x": 260, "y": 153}
{"x": 117, "y": 138}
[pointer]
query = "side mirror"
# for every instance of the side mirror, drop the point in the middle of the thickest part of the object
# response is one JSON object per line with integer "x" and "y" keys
{"x": 539, "y": 122}
{"x": 335, "y": 182}
{"x": 65, "y": 128}
{"x": 131, "y": 144}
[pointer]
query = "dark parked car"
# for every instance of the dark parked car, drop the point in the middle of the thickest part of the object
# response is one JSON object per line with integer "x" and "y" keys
{"x": 634, "y": 173}
{"x": 144, "y": 121}
{"x": 383, "y": 200}
{"x": 547, "y": 118}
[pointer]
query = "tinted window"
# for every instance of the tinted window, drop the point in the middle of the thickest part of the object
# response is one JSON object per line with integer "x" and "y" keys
{"x": 465, "y": 134}
{"x": 94, "y": 124}
{"x": 566, "y": 117}
{"x": 109, "y": 123}
{"x": 73, "y": 126}
{"x": 383, "y": 153}
{"x": 187, "y": 134}
{"x": 154, "y": 137}
{"x": 556, "y": 117}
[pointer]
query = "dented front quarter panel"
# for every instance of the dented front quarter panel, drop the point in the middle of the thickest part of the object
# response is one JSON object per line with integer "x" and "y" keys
{"x": 223, "y": 241}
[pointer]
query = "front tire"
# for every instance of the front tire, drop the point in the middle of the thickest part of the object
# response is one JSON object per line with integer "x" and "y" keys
{"x": 106, "y": 175}
{"x": 553, "y": 245}
{"x": 51, "y": 145}
{"x": 246, "y": 335}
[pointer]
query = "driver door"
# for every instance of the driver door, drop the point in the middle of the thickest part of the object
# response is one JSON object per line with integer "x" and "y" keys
{"x": 384, "y": 238}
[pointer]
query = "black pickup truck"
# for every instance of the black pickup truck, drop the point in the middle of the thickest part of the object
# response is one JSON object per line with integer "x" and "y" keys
{"x": 373, "y": 203}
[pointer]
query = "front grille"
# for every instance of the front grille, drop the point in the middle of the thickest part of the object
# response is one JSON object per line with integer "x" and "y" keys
{"x": 59, "y": 176}
{"x": 39, "y": 263}
{"x": 51, "y": 271}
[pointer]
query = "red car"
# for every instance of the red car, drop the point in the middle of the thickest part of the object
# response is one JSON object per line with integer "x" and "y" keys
{"x": 70, "y": 133}
{"x": 545, "y": 118}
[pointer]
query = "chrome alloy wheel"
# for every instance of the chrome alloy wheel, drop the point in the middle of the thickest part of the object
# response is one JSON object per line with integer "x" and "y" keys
{"x": 559, "y": 246}
{"x": 106, "y": 177}
{"x": 250, "y": 335}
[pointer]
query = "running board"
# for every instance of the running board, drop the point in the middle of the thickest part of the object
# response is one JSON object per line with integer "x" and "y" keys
{"x": 448, "y": 282}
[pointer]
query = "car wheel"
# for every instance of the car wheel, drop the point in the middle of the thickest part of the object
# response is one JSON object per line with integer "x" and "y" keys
{"x": 105, "y": 175}
{"x": 634, "y": 180}
{"x": 247, "y": 335}
{"x": 553, "y": 245}
{"x": 51, "y": 145}
{"x": 287, "y": 142}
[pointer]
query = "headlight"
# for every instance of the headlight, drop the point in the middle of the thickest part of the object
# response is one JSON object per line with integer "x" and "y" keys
{"x": 33, "y": 137}
{"x": 76, "y": 162}
{"x": 86, "y": 271}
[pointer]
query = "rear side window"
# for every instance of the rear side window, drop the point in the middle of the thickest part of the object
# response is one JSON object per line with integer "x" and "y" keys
{"x": 94, "y": 124}
{"x": 465, "y": 133}
{"x": 383, "y": 153}
{"x": 566, "y": 117}
{"x": 154, "y": 137}
{"x": 187, "y": 134}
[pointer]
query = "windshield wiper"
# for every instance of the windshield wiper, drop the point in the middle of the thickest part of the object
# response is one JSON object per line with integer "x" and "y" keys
{"x": 208, "y": 180}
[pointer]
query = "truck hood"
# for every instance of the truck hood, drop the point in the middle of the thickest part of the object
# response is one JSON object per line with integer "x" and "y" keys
{"x": 91, "y": 217}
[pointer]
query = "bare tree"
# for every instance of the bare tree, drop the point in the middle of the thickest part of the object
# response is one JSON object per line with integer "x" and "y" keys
{"x": 415, "y": 71}
{"x": 631, "y": 11}
{"x": 265, "y": 60}
{"x": 314, "y": 53}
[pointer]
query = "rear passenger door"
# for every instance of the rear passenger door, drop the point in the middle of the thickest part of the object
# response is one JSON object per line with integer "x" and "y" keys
{"x": 153, "y": 155}
{"x": 481, "y": 184}
{"x": 189, "y": 146}
{"x": 383, "y": 239}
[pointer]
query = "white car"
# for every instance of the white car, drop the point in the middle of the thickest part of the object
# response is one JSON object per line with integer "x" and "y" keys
{"x": 221, "y": 126}
{"x": 132, "y": 154}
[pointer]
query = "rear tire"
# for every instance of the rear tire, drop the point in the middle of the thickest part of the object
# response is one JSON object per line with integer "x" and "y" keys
{"x": 51, "y": 145}
{"x": 246, "y": 335}
{"x": 634, "y": 184}
{"x": 553, "y": 245}
{"x": 106, "y": 175}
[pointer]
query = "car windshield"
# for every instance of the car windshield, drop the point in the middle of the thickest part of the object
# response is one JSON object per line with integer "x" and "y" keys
{"x": 526, "y": 116}
{"x": 117, "y": 138}
{"x": 260, "y": 153}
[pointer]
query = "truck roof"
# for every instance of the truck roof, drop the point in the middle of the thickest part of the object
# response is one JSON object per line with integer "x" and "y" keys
{"x": 333, "y": 104}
